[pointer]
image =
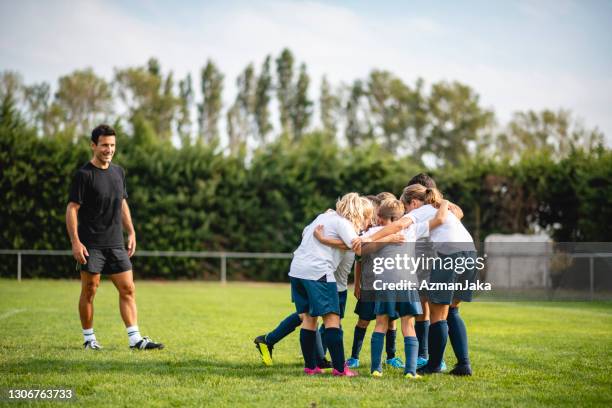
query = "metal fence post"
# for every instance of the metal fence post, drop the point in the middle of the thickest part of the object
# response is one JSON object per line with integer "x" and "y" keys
{"x": 223, "y": 268}
{"x": 591, "y": 278}
{"x": 18, "y": 266}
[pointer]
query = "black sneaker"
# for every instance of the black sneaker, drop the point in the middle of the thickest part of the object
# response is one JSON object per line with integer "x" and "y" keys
{"x": 325, "y": 364}
{"x": 265, "y": 349}
{"x": 427, "y": 369}
{"x": 147, "y": 344}
{"x": 461, "y": 370}
{"x": 92, "y": 345}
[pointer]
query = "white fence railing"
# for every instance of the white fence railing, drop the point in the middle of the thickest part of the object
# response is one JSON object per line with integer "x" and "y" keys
{"x": 223, "y": 256}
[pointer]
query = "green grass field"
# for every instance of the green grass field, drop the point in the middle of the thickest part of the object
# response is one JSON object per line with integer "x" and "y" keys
{"x": 523, "y": 354}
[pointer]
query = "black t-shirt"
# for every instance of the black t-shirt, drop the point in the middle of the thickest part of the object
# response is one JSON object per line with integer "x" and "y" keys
{"x": 100, "y": 192}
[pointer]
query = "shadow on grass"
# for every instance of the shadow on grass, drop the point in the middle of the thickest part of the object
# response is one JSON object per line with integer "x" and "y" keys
{"x": 186, "y": 367}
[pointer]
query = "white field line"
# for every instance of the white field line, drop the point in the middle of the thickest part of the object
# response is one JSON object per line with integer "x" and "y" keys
{"x": 11, "y": 313}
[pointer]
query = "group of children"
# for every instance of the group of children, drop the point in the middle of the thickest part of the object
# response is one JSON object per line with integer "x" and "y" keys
{"x": 319, "y": 275}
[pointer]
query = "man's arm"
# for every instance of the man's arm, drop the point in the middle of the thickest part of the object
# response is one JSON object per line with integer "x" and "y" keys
{"x": 79, "y": 252}
{"x": 126, "y": 217}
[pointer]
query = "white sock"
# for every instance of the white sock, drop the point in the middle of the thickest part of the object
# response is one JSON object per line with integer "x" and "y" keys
{"x": 133, "y": 335}
{"x": 88, "y": 334}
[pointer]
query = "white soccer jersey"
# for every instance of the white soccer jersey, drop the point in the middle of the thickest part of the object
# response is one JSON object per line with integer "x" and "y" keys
{"x": 313, "y": 260}
{"x": 344, "y": 269}
{"x": 444, "y": 236}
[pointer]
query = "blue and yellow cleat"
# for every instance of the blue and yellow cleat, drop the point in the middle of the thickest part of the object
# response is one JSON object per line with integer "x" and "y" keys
{"x": 421, "y": 362}
{"x": 395, "y": 362}
{"x": 265, "y": 350}
{"x": 352, "y": 363}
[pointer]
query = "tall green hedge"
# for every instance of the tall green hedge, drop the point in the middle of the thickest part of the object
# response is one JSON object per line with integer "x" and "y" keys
{"x": 197, "y": 198}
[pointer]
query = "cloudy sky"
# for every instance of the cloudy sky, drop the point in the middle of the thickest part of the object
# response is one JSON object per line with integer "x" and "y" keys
{"x": 518, "y": 55}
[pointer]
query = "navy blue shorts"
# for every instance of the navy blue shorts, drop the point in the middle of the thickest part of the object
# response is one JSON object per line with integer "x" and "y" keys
{"x": 314, "y": 297}
{"x": 107, "y": 261}
{"x": 365, "y": 310}
{"x": 342, "y": 302}
{"x": 396, "y": 310}
{"x": 449, "y": 276}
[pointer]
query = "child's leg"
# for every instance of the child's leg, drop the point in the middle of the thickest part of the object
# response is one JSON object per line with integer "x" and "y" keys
{"x": 411, "y": 344}
{"x": 378, "y": 337}
{"x": 358, "y": 336}
{"x": 390, "y": 339}
{"x": 308, "y": 340}
{"x": 285, "y": 327}
{"x": 458, "y": 334}
{"x": 438, "y": 335}
{"x": 333, "y": 340}
{"x": 320, "y": 348}
{"x": 422, "y": 329}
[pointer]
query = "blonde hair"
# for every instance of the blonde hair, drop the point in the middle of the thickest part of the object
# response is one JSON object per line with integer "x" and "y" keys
{"x": 419, "y": 192}
{"x": 391, "y": 209}
{"x": 385, "y": 196}
{"x": 358, "y": 210}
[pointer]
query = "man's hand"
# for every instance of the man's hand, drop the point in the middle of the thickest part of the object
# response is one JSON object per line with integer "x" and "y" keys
{"x": 131, "y": 244}
{"x": 79, "y": 252}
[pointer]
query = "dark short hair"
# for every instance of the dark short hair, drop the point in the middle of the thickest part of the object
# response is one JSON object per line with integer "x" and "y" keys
{"x": 101, "y": 130}
{"x": 424, "y": 180}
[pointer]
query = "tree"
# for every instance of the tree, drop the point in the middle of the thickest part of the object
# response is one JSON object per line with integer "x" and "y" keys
{"x": 209, "y": 111}
{"x": 457, "y": 125}
{"x": 84, "y": 99}
{"x": 37, "y": 100}
{"x": 148, "y": 96}
{"x": 262, "y": 100}
{"x": 301, "y": 107}
{"x": 556, "y": 133}
{"x": 328, "y": 105}
{"x": 241, "y": 123}
{"x": 358, "y": 128}
{"x": 284, "y": 88}
{"x": 185, "y": 102}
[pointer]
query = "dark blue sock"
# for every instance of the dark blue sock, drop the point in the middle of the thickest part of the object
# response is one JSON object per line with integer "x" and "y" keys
{"x": 376, "y": 347}
{"x": 422, "y": 333}
{"x": 320, "y": 348}
{"x": 411, "y": 347}
{"x": 390, "y": 343}
{"x": 307, "y": 342}
{"x": 438, "y": 335}
{"x": 458, "y": 336}
{"x": 357, "y": 342}
{"x": 335, "y": 345}
{"x": 285, "y": 327}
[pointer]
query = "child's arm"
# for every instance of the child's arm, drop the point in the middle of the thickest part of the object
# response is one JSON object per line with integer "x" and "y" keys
{"x": 440, "y": 216}
{"x": 455, "y": 209}
{"x": 393, "y": 228}
{"x": 357, "y": 291}
{"x": 332, "y": 242}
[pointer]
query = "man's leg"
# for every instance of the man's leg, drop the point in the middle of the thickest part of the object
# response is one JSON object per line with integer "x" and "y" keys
{"x": 124, "y": 282}
{"x": 89, "y": 286}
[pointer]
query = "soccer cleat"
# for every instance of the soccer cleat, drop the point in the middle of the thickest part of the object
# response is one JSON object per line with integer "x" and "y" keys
{"x": 461, "y": 370}
{"x": 312, "y": 371}
{"x": 376, "y": 374}
{"x": 411, "y": 376}
{"x": 325, "y": 364}
{"x": 346, "y": 373}
{"x": 92, "y": 345}
{"x": 265, "y": 350}
{"x": 443, "y": 366}
{"x": 421, "y": 362}
{"x": 426, "y": 370}
{"x": 395, "y": 362}
{"x": 147, "y": 344}
{"x": 352, "y": 362}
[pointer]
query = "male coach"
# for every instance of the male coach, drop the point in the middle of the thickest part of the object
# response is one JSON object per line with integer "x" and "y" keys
{"x": 96, "y": 215}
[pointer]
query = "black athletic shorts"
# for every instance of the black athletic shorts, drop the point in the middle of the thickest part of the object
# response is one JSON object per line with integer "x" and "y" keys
{"x": 107, "y": 261}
